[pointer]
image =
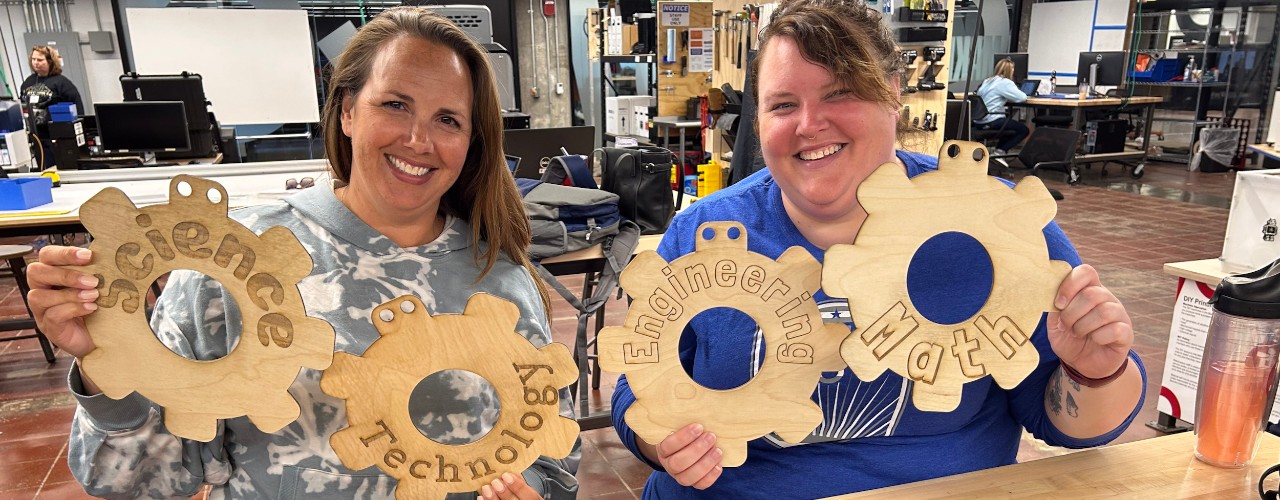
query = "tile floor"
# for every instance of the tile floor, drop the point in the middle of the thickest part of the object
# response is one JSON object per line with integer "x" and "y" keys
{"x": 1126, "y": 228}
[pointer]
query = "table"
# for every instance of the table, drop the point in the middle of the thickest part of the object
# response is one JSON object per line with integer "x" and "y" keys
{"x": 1270, "y": 155}
{"x": 1162, "y": 467}
{"x": 244, "y": 185}
{"x": 665, "y": 124}
{"x": 1078, "y": 108}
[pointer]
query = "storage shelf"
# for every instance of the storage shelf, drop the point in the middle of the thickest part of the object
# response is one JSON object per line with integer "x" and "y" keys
{"x": 1191, "y": 85}
{"x": 633, "y": 58}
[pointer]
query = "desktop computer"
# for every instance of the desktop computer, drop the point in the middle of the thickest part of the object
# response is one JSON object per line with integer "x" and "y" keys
{"x": 1105, "y": 136}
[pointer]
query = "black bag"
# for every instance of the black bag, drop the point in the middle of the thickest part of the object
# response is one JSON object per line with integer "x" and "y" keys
{"x": 641, "y": 177}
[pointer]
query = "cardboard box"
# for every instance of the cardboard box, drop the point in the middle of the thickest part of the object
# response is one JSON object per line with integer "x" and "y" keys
{"x": 619, "y": 113}
{"x": 21, "y": 194}
{"x": 613, "y": 37}
{"x": 640, "y": 125}
{"x": 1253, "y": 225}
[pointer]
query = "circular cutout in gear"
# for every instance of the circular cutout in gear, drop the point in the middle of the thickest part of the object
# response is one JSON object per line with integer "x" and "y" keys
{"x": 902, "y": 215}
{"x": 132, "y": 247}
{"x": 414, "y": 345}
{"x": 721, "y": 272}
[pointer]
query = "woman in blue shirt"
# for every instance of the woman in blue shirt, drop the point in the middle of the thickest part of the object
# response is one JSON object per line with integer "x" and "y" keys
{"x": 996, "y": 91}
{"x": 827, "y": 84}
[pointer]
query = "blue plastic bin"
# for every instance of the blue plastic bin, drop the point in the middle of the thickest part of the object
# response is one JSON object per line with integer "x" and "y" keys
{"x": 21, "y": 194}
{"x": 1162, "y": 71}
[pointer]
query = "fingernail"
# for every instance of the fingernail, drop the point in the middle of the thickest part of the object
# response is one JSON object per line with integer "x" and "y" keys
{"x": 91, "y": 306}
{"x": 697, "y": 429}
{"x": 709, "y": 437}
{"x": 499, "y": 487}
{"x": 1060, "y": 302}
{"x": 83, "y": 254}
{"x": 719, "y": 452}
{"x": 88, "y": 294}
{"x": 89, "y": 281}
{"x": 509, "y": 478}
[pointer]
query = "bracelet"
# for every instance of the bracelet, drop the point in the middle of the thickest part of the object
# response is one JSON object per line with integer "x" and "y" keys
{"x": 1079, "y": 378}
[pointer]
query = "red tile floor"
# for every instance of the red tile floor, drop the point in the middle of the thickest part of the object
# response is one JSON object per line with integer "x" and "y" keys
{"x": 1126, "y": 228}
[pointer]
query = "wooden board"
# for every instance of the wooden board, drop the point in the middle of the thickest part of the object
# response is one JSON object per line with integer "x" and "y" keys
{"x": 872, "y": 273}
{"x": 675, "y": 90}
{"x": 415, "y": 345}
{"x": 132, "y": 247}
{"x": 721, "y": 272}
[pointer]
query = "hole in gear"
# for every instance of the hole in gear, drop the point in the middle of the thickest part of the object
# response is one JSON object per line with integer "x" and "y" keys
{"x": 950, "y": 278}
{"x": 454, "y": 407}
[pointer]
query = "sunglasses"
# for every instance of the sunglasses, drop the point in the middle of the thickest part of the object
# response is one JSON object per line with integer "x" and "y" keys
{"x": 303, "y": 183}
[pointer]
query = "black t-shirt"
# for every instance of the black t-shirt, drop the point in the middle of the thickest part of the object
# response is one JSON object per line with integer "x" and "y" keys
{"x": 50, "y": 89}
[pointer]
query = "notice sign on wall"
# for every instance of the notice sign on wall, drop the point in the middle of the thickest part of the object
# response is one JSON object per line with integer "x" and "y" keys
{"x": 676, "y": 14}
{"x": 1187, "y": 335}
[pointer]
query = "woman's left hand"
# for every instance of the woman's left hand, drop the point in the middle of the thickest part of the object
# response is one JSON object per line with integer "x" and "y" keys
{"x": 1092, "y": 332}
{"x": 509, "y": 487}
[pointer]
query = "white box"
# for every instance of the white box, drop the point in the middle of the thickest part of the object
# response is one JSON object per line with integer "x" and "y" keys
{"x": 1252, "y": 226}
{"x": 613, "y": 37}
{"x": 619, "y": 114}
{"x": 640, "y": 125}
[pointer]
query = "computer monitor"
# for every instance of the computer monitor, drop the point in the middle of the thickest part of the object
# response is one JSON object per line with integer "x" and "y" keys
{"x": 143, "y": 127}
{"x": 1019, "y": 64}
{"x": 536, "y": 146}
{"x": 1101, "y": 68}
{"x": 186, "y": 87}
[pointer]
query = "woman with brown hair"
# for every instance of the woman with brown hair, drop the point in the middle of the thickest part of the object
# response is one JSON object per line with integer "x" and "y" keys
{"x": 421, "y": 203}
{"x": 45, "y": 87}
{"x": 828, "y": 93}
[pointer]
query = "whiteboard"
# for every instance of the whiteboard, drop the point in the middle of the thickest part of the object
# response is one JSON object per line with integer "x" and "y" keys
{"x": 1060, "y": 31}
{"x": 257, "y": 65}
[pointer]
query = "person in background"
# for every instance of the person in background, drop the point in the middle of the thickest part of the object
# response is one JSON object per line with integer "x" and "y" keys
{"x": 45, "y": 87}
{"x": 828, "y": 94}
{"x": 997, "y": 91}
{"x": 422, "y": 204}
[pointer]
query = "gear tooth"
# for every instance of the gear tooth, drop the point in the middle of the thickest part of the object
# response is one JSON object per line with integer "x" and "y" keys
{"x": 349, "y": 439}
{"x": 197, "y": 427}
{"x": 333, "y": 381}
{"x": 609, "y": 346}
{"x": 104, "y": 208}
{"x": 275, "y": 412}
{"x": 647, "y": 259}
{"x": 557, "y": 355}
{"x": 560, "y": 448}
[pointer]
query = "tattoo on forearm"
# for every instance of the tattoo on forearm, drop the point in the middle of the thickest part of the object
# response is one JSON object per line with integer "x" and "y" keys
{"x": 1054, "y": 395}
{"x": 1072, "y": 408}
{"x": 1074, "y": 385}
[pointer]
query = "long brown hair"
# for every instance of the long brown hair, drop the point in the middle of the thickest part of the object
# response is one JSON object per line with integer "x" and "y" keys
{"x": 484, "y": 194}
{"x": 848, "y": 38}
{"x": 55, "y": 64}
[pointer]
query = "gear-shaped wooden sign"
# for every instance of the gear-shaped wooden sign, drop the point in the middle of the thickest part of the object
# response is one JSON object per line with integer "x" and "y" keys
{"x": 414, "y": 345}
{"x": 721, "y": 272}
{"x": 132, "y": 247}
{"x": 903, "y": 215}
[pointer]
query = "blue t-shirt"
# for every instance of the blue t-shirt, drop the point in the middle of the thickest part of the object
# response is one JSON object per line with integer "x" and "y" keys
{"x": 871, "y": 436}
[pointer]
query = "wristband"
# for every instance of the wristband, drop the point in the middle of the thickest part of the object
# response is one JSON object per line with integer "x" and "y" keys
{"x": 1078, "y": 378}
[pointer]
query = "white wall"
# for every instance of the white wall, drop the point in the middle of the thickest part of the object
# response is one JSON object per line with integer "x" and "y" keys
{"x": 1060, "y": 31}
{"x": 102, "y": 70}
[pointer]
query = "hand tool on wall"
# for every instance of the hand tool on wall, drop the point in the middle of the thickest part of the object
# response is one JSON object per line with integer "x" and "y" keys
{"x": 718, "y": 14}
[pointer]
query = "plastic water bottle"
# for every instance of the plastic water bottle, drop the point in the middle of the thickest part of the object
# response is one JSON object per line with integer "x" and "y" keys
{"x": 1191, "y": 67}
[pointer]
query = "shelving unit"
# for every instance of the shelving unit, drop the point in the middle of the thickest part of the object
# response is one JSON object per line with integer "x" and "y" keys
{"x": 1188, "y": 104}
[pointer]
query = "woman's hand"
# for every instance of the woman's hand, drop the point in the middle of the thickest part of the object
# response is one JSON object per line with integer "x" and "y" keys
{"x": 1092, "y": 333}
{"x": 690, "y": 456}
{"x": 509, "y": 487}
{"x": 61, "y": 297}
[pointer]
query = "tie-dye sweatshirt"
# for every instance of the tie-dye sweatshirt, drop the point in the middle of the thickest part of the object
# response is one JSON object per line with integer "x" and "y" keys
{"x": 120, "y": 448}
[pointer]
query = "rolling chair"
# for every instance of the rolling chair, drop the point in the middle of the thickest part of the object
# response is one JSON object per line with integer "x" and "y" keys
{"x": 1052, "y": 148}
{"x": 978, "y": 110}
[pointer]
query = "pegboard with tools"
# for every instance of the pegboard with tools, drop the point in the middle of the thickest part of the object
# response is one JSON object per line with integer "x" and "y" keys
{"x": 686, "y": 54}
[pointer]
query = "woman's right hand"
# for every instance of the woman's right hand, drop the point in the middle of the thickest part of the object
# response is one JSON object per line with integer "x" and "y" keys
{"x": 60, "y": 297}
{"x": 690, "y": 456}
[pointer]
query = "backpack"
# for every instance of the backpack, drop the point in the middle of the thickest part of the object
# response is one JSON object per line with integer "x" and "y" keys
{"x": 567, "y": 218}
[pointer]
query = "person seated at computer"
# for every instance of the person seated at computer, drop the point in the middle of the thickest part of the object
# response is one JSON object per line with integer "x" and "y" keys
{"x": 45, "y": 87}
{"x": 996, "y": 91}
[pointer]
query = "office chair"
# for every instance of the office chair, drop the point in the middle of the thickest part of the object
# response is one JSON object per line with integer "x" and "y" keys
{"x": 978, "y": 111}
{"x": 15, "y": 256}
{"x": 1052, "y": 148}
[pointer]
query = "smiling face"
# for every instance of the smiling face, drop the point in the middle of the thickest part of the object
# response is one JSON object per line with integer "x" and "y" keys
{"x": 39, "y": 63}
{"x": 819, "y": 140}
{"x": 410, "y": 129}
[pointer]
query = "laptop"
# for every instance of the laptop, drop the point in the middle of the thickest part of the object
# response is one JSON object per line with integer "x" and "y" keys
{"x": 536, "y": 146}
{"x": 1030, "y": 87}
{"x": 513, "y": 162}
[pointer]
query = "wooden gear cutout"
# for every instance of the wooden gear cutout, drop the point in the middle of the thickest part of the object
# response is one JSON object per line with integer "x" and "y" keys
{"x": 414, "y": 345}
{"x": 721, "y": 272}
{"x": 903, "y": 213}
{"x": 132, "y": 247}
